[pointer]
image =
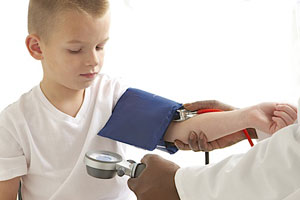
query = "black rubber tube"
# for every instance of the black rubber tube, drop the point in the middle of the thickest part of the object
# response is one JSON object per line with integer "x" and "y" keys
{"x": 206, "y": 158}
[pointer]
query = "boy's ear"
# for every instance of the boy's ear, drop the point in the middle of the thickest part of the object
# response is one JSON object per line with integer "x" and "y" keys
{"x": 33, "y": 45}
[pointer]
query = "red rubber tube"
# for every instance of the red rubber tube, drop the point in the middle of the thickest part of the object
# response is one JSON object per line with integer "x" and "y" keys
{"x": 218, "y": 110}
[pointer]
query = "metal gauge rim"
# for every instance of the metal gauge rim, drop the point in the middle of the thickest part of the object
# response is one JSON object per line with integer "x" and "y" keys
{"x": 93, "y": 159}
{"x": 115, "y": 157}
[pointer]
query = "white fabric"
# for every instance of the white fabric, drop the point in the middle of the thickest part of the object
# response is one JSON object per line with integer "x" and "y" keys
{"x": 48, "y": 146}
{"x": 262, "y": 135}
{"x": 269, "y": 171}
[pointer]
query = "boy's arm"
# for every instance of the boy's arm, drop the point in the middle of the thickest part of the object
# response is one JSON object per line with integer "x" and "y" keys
{"x": 214, "y": 125}
{"x": 9, "y": 189}
{"x": 268, "y": 117}
{"x": 196, "y": 140}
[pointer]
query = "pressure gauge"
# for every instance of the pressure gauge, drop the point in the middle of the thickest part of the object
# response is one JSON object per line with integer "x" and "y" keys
{"x": 105, "y": 165}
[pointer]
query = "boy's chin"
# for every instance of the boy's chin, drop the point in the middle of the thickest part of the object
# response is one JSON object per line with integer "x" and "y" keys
{"x": 84, "y": 85}
{"x": 78, "y": 87}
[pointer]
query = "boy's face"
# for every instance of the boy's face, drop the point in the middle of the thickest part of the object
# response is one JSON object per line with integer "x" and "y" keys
{"x": 73, "y": 54}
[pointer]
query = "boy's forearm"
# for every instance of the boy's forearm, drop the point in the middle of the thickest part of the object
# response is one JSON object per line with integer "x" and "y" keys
{"x": 214, "y": 125}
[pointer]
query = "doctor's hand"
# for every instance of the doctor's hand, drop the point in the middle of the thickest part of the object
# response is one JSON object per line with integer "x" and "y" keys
{"x": 199, "y": 142}
{"x": 208, "y": 104}
{"x": 156, "y": 181}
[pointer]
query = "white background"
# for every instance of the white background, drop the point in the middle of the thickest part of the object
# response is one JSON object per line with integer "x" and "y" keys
{"x": 236, "y": 51}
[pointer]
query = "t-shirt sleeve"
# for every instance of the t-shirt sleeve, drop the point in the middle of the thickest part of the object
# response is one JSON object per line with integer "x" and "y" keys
{"x": 12, "y": 159}
{"x": 120, "y": 86}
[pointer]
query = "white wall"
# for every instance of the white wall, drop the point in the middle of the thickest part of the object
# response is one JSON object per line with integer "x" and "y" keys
{"x": 236, "y": 51}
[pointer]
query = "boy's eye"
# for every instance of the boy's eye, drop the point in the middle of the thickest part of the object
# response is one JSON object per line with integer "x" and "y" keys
{"x": 74, "y": 51}
{"x": 99, "y": 48}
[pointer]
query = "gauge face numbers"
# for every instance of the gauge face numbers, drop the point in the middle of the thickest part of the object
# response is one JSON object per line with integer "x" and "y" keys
{"x": 105, "y": 157}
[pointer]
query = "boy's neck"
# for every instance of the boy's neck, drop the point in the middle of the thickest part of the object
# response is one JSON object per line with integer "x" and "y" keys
{"x": 66, "y": 100}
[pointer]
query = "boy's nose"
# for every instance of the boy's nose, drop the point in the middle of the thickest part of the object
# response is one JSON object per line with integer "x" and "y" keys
{"x": 92, "y": 59}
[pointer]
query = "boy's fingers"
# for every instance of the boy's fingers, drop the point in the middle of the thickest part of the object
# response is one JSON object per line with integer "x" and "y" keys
{"x": 288, "y": 109}
{"x": 293, "y": 107}
{"x": 285, "y": 117}
{"x": 279, "y": 123}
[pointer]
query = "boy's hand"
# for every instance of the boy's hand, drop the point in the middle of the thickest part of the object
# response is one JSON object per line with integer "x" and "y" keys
{"x": 156, "y": 181}
{"x": 270, "y": 117}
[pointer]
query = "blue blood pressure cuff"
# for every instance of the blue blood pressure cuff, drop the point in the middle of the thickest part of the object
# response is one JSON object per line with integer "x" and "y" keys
{"x": 141, "y": 119}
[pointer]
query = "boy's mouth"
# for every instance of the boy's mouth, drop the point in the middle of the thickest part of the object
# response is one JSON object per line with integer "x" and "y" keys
{"x": 89, "y": 75}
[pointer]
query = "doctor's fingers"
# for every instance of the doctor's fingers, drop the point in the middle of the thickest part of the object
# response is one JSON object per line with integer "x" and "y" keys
{"x": 198, "y": 142}
{"x": 155, "y": 164}
{"x": 206, "y": 146}
{"x": 132, "y": 184}
{"x": 137, "y": 186}
{"x": 149, "y": 159}
{"x": 213, "y": 104}
{"x": 182, "y": 146}
{"x": 194, "y": 141}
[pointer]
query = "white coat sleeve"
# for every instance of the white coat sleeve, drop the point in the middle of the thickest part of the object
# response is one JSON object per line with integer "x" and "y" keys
{"x": 262, "y": 135}
{"x": 269, "y": 171}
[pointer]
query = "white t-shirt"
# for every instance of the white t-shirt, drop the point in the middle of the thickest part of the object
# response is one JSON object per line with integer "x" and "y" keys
{"x": 47, "y": 147}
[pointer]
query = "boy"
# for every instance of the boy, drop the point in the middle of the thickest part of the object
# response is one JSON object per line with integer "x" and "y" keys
{"x": 45, "y": 134}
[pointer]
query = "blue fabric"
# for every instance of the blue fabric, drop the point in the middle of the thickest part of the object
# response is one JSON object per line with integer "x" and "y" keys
{"x": 141, "y": 119}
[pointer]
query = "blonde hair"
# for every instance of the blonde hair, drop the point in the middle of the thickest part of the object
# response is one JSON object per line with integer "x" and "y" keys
{"x": 43, "y": 14}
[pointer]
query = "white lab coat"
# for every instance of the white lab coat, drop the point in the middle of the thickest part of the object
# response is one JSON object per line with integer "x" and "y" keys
{"x": 269, "y": 171}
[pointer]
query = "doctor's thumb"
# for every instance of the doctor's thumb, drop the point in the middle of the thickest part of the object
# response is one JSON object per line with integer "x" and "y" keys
{"x": 132, "y": 184}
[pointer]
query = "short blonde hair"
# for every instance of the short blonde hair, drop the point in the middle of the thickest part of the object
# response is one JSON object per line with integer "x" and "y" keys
{"x": 42, "y": 14}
